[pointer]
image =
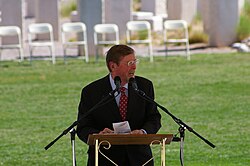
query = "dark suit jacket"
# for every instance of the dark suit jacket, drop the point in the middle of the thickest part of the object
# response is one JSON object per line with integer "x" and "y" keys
{"x": 140, "y": 115}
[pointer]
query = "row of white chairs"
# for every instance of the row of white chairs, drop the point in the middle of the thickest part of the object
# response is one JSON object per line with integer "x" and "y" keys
{"x": 138, "y": 32}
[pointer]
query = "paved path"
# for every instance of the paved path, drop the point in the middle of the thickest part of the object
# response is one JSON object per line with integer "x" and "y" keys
{"x": 140, "y": 50}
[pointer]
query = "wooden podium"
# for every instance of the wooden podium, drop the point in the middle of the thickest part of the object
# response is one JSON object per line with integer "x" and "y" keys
{"x": 129, "y": 139}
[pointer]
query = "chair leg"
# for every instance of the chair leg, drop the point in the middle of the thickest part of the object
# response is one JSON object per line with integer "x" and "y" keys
{"x": 166, "y": 52}
{"x": 150, "y": 49}
{"x": 96, "y": 53}
{"x": 64, "y": 55}
{"x": 21, "y": 54}
{"x": 86, "y": 53}
{"x": 30, "y": 49}
{"x": 53, "y": 54}
{"x": 187, "y": 51}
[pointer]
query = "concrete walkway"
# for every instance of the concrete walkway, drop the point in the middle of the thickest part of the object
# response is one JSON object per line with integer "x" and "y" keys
{"x": 140, "y": 51}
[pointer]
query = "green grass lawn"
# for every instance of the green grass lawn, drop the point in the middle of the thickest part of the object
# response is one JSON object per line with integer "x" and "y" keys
{"x": 211, "y": 93}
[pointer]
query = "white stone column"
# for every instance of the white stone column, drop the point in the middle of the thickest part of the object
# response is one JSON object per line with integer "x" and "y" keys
{"x": 30, "y": 8}
{"x": 119, "y": 13}
{"x": 104, "y": 11}
{"x": 182, "y": 10}
{"x": 91, "y": 13}
{"x": 222, "y": 21}
{"x": 159, "y": 10}
{"x": 47, "y": 11}
{"x": 174, "y": 9}
{"x": 12, "y": 15}
{"x": 157, "y": 7}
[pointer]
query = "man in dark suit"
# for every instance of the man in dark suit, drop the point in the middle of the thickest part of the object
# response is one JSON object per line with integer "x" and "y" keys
{"x": 142, "y": 116}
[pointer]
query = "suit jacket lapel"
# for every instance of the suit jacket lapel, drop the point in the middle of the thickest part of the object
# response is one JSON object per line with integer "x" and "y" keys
{"x": 112, "y": 105}
{"x": 132, "y": 102}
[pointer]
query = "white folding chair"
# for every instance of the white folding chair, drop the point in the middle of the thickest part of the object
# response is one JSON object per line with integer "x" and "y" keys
{"x": 41, "y": 29}
{"x": 74, "y": 28}
{"x": 179, "y": 27}
{"x": 6, "y": 31}
{"x": 105, "y": 34}
{"x": 139, "y": 32}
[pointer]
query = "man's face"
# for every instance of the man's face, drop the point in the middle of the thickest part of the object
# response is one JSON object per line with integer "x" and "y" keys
{"x": 125, "y": 69}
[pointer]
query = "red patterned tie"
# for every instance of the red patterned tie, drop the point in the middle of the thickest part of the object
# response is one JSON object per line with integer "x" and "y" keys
{"x": 123, "y": 103}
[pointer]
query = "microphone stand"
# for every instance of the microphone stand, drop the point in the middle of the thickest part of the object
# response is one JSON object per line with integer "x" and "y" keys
{"x": 72, "y": 138}
{"x": 182, "y": 135}
{"x": 102, "y": 102}
{"x": 182, "y": 128}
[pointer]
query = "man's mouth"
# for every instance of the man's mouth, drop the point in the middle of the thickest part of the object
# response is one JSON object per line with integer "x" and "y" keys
{"x": 131, "y": 74}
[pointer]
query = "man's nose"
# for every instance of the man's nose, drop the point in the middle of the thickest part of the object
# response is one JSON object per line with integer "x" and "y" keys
{"x": 133, "y": 66}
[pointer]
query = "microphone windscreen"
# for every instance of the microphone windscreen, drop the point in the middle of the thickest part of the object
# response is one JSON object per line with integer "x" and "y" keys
{"x": 117, "y": 78}
{"x": 133, "y": 83}
{"x": 117, "y": 81}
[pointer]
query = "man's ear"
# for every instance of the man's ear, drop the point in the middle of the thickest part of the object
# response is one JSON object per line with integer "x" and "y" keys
{"x": 112, "y": 66}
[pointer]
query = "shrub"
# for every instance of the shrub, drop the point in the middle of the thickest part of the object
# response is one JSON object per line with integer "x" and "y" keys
{"x": 196, "y": 32}
{"x": 198, "y": 37}
{"x": 243, "y": 30}
{"x": 67, "y": 8}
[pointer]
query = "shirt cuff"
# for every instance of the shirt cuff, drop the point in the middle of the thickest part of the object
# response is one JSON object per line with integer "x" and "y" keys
{"x": 144, "y": 131}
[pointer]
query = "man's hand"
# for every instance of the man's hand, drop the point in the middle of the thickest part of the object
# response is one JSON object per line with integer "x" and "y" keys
{"x": 106, "y": 131}
{"x": 137, "y": 132}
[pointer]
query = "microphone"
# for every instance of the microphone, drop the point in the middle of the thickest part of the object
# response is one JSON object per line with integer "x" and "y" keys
{"x": 117, "y": 81}
{"x": 133, "y": 84}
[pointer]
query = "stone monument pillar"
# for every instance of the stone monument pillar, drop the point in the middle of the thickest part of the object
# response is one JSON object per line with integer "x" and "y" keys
{"x": 47, "y": 11}
{"x": 220, "y": 24}
{"x": 30, "y": 8}
{"x": 182, "y": 10}
{"x": 119, "y": 13}
{"x": 157, "y": 7}
{"x": 159, "y": 10}
{"x": 92, "y": 12}
{"x": 11, "y": 15}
